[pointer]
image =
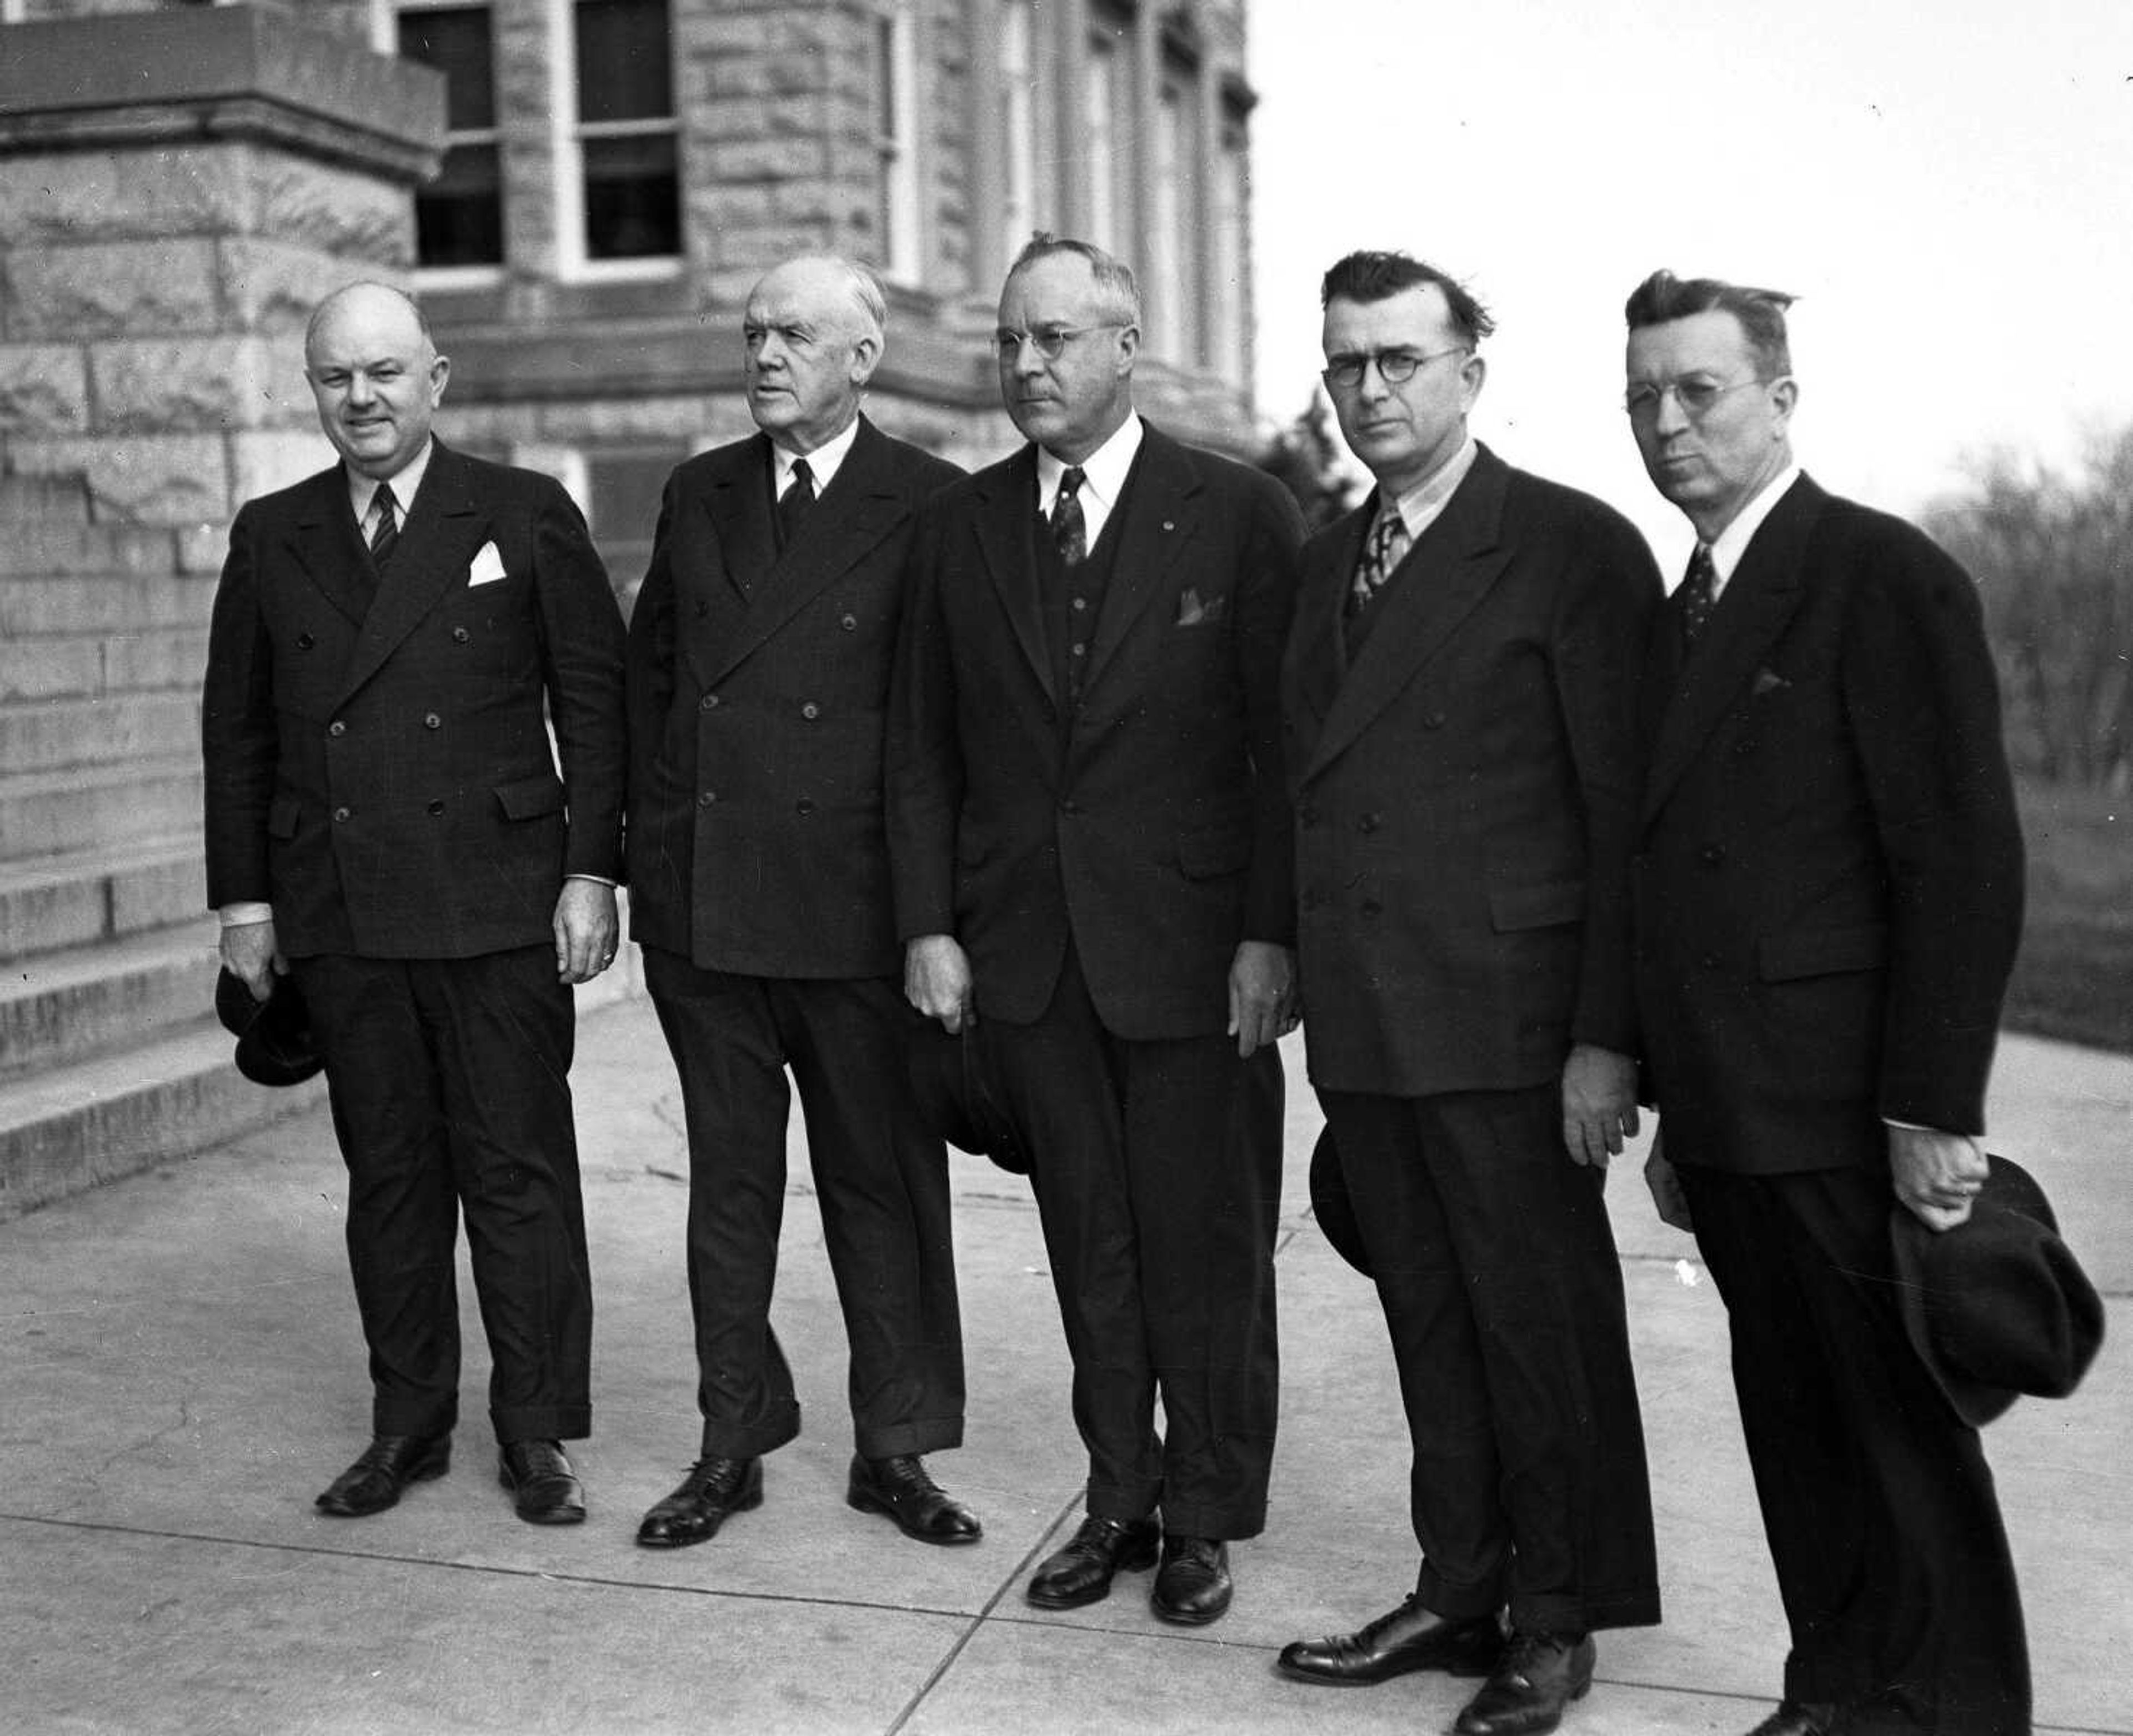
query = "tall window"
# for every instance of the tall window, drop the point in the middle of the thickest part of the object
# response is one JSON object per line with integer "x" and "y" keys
{"x": 459, "y": 217}
{"x": 1017, "y": 78}
{"x": 896, "y": 139}
{"x": 1230, "y": 295}
{"x": 1107, "y": 125}
{"x": 1171, "y": 290}
{"x": 629, "y": 146}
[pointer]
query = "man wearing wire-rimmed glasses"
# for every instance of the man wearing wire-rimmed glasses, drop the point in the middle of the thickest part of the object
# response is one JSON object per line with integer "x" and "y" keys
{"x": 1459, "y": 688}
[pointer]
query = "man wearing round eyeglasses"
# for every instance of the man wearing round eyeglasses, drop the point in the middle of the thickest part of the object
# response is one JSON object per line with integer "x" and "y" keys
{"x": 1827, "y": 896}
{"x": 1460, "y": 688}
{"x": 1092, "y": 845}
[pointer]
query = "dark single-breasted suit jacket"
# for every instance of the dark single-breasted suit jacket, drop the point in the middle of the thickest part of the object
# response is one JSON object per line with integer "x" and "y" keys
{"x": 1150, "y": 822}
{"x": 1466, "y": 791}
{"x": 1828, "y": 876}
{"x": 385, "y": 778}
{"x": 758, "y": 686}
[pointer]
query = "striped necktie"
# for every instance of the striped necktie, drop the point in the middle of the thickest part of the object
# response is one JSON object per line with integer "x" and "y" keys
{"x": 1382, "y": 554}
{"x": 385, "y": 526}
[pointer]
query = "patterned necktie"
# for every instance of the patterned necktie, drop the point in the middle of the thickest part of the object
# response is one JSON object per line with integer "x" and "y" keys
{"x": 385, "y": 526}
{"x": 1069, "y": 529}
{"x": 797, "y": 501}
{"x": 1698, "y": 594}
{"x": 1382, "y": 554}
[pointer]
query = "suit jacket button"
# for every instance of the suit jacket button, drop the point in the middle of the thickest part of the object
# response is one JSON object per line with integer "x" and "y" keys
{"x": 1368, "y": 823}
{"x": 1371, "y": 907}
{"x": 436, "y": 807}
{"x": 707, "y": 798}
{"x": 850, "y": 623}
{"x": 460, "y": 636}
{"x": 340, "y": 815}
{"x": 1307, "y": 815}
{"x": 1713, "y": 854}
{"x": 1710, "y": 961}
{"x": 1435, "y": 720}
{"x": 336, "y": 728}
{"x": 1067, "y": 805}
{"x": 702, "y": 610}
{"x": 304, "y": 642}
{"x": 709, "y": 702}
{"x": 430, "y": 720}
{"x": 811, "y": 711}
{"x": 803, "y": 807}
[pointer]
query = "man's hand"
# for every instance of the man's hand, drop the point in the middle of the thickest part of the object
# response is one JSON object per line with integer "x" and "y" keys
{"x": 936, "y": 980}
{"x": 1937, "y": 1175}
{"x": 249, "y": 953}
{"x": 1599, "y": 1103}
{"x": 1262, "y": 994}
{"x": 1667, "y": 1194}
{"x": 585, "y": 930}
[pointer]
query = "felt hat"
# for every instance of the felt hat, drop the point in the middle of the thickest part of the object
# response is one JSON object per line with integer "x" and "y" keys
{"x": 1998, "y": 1306}
{"x": 951, "y": 1084}
{"x": 1329, "y": 1204}
{"x": 274, "y": 1043}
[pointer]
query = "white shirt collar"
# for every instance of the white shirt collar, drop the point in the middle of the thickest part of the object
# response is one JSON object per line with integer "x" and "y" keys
{"x": 1420, "y": 506}
{"x": 405, "y": 481}
{"x": 823, "y": 463}
{"x": 1102, "y": 474}
{"x": 1733, "y": 541}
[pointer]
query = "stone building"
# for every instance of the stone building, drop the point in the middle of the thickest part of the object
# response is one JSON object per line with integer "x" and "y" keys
{"x": 580, "y": 191}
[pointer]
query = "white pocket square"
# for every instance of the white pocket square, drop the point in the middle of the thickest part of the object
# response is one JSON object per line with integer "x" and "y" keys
{"x": 487, "y": 566}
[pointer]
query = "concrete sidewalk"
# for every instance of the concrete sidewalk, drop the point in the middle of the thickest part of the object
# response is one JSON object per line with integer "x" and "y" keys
{"x": 180, "y": 1372}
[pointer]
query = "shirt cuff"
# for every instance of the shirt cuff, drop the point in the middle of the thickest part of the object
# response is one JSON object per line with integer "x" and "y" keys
{"x": 243, "y": 915}
{"x": 596, "y": 879}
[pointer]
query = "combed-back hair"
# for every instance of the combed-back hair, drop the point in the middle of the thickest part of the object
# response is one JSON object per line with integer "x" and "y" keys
{"x": 1115, "y": 278}
{"x": 1664, "y": 297}
{"x": 1367, "y": 276}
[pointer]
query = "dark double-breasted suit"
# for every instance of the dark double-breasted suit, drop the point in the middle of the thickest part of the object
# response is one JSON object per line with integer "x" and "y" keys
{"x": 1464, "y": 769}
{"x": 760, "y": 890}
{"x": 1827, "y": 888}
{"x": 1101, "y": 854}
{"x": 379, "y": 770}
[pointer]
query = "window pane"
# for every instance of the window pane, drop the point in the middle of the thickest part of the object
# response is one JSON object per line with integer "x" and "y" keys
{"x": 633, "y": 198}
{"x": 454, "y": 40}
{"x": 459, "y": 217}
{"x": 623, "y": 69}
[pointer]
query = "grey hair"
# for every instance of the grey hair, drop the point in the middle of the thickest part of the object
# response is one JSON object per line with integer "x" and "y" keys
{"x": 1115, "y": 278}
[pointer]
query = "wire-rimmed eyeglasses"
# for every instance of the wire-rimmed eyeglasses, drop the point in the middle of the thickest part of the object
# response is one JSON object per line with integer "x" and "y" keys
{"x": 1395, "y": 367}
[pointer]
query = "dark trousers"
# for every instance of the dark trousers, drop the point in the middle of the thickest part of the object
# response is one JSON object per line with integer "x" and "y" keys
{"x": 1500, "y": 1281}
{"x": 450, "y": 1082}
{"x": 1157, "y": 1167}
{"x": 1882, "y": 1520}
{"x": 880, "y": 1178}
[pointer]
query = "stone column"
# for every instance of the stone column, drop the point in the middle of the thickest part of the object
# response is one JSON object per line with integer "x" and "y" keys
{"x": 177, "y": 189}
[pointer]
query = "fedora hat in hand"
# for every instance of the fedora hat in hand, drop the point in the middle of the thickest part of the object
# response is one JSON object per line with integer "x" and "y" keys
{"x": 1329, "y": 1204}
{"x": 951, "y": 1085}
{"x": 274, "y": 1043}
{"x": 1998, "y": 1306}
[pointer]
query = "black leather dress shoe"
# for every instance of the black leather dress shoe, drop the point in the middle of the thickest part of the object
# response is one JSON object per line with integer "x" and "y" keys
{"x": 1798, "y": 1718}
{"x": 1082, "y": 1571}
{"x": 1409, "y": 1638}
{"x": 922, "y": 1508}
{"x": 544, "y": 1489}
{"x": 388, "y": 1464}
{"x": 713, "y": 1490}
{"x": 1192, "y": 1586}
{"x": 1538, "y": 1676}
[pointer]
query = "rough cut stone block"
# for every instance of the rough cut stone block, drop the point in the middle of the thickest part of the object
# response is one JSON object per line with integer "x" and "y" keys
{"x": 272, "y": 285}
{"x": 262, "y": 462}
{"x": 43, "y": 389}
{"x": 109, "y": 289}
{"x": 175, "y": 656}
{"x": 171, "y": 480}
{"x": 166, "y": 386}
{"x": 47, "y": 668}
{"x": 68, "y": 198}
{"x": 335, "y": 210}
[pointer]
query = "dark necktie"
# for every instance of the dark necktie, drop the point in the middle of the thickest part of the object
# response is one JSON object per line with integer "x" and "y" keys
{"x": 1383, "y": 552}
{"x": 796, "y": 502}
{"x": 385, "y": 526}
{"x": 1070, "y": 533}
{"x": 1698, "y": 594}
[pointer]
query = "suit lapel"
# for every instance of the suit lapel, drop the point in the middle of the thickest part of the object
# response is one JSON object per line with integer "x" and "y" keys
{"x": 858, "y": 509}
{"x": 1007, "y": 510}
{"x": 1444, "y": 578}
{"x": 328, "y": 546}
{"x": 1321, "y": 659}
{"x": 445, "y": 528}
{"x": 1161, "y": 512}
{"x": 1758, "y": 601}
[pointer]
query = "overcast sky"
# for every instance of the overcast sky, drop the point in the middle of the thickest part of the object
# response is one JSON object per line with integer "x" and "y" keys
{"x": 1947, "y": 186}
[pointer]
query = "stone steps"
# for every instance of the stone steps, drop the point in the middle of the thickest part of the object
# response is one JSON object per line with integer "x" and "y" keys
{"x": 51, "y": 903}
{"x": 48, "y": 735}
{"x": 65, "y": 1128}
{"x": 45, "y": 813}
{"x": 63, "y": 1007}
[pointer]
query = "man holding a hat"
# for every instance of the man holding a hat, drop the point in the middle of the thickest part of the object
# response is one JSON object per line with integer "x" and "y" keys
{"x": 1827, "y": 894}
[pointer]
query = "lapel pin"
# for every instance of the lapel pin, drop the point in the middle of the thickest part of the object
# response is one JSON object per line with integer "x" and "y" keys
{"x": 1168, "y": 525}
